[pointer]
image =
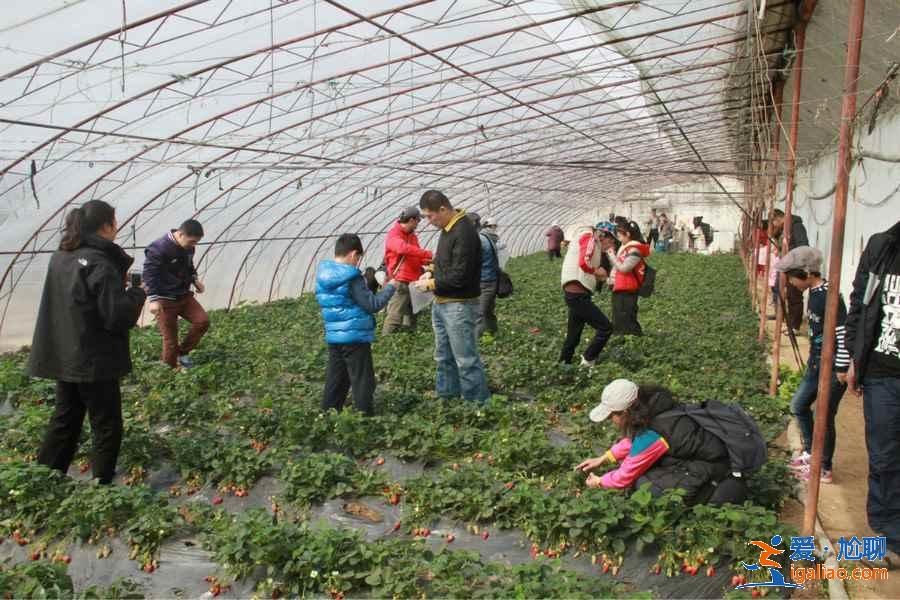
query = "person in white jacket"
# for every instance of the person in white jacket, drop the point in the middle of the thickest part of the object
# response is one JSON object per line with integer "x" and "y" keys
{"x": 584, "y": 266}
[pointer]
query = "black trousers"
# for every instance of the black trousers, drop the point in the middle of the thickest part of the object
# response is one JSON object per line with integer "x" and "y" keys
{"x": 349, "y": 366}
{"x": 653, "y": 237}
{"x": 555, "y": 253}
{"x": 102, "y": 400}
{"x": 582, "y": 311}
{"x": 625, "y": 313}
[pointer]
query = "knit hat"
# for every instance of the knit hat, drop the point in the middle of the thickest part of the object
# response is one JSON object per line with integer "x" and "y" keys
{"x": 801, "y": 258}
{"x": 617, "y": 396}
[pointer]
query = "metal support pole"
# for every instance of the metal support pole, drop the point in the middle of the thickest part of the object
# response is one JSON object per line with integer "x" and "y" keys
{"x": 771, "y": 191}
{"x": 848, "y": 110}
{"x": 800, "y": 43}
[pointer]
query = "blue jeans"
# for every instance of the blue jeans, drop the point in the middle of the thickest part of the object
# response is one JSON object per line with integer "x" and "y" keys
{"x": 801, "y": 408}
{"x": 459, "y": 367}
{"x": 881, "y": 407}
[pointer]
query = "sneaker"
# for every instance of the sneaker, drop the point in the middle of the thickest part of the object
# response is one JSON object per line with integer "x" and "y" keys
{"x": 185, "y": 361}
{"x": 803, "y": 475}
{"x": 587, "y": 363}
{"x": 801, "y": 460}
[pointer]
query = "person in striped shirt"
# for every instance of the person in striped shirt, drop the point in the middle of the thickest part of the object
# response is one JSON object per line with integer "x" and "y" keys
{"x": 803, "y": 268}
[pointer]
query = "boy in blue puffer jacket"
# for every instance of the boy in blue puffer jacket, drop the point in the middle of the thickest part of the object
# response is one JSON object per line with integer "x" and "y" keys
{"x": 347, "y": 308}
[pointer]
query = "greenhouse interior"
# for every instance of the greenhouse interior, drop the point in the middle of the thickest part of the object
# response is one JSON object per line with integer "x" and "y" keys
{"x": 450, "y": 299}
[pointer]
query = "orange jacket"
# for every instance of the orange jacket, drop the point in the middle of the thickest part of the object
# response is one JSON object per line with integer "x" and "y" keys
{"x": 631, "y": 280}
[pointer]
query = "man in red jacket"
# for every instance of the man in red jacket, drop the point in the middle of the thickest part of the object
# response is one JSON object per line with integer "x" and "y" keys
{"x": 403, "y": 259}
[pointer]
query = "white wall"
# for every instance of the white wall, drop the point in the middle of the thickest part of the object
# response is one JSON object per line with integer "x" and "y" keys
{"x": 874, "y": 194}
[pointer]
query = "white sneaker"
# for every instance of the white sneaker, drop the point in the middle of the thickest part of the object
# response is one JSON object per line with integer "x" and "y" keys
{"x": 587, "y": 363}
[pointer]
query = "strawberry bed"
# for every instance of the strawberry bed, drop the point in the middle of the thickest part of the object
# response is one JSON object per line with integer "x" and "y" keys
{"x": 234, "y": 456}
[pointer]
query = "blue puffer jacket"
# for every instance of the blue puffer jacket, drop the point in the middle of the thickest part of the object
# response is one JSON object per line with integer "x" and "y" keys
{"x": 345, "y": 321}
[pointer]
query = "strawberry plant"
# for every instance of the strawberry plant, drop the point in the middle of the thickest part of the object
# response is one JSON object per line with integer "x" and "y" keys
{"x": 251, "y": 408}
{"x": 318, "y": 477}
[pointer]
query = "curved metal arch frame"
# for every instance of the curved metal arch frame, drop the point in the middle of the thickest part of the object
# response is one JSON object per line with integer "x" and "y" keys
{"x": 262, "y": 100}
{"x": 377, "y": 180}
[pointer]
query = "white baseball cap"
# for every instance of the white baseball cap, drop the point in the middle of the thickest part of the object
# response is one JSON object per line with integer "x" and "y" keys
{"x": 617, "y": 396}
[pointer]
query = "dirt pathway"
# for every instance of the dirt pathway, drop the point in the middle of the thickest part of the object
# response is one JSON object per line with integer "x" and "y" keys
{"x": 842, "y": 504}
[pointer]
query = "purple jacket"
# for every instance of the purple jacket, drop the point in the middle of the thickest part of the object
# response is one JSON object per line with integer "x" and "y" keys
{"x": 168, "y": 269}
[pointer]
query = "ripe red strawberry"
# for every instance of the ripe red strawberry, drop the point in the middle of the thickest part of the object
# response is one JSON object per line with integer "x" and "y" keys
{"x": 657, "y": 569}
{"x": 711, "y": 572}
{"x": 450, "y": 538}
{"x": 485, "y": 534}
{"x": 396, "y": 526}
{"x": 605, "y": 568}
{"x": 217, "y": 500}
{"x": 755, "y": 593}
{"x": 509, "y": 485}
{"x": 66, "y": 558}
{"x": 395, "y": 499}
{"x": 735, "y": 581}
{"x": 35, "y": 555}
{"x": 693, "y": 571}
{"x": 149, "y": 568}
{"x": 426, "y": 532}
{"x": 379, "y": 461}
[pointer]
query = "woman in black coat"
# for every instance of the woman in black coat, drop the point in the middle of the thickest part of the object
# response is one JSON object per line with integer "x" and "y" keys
{"x": 81, "y": 338}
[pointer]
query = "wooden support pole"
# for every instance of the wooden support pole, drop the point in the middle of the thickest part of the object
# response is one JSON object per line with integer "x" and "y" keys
{"x": 848, "y": 111}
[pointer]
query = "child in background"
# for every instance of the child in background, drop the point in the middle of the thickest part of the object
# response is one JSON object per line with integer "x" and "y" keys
{"x": 803, "y": 266}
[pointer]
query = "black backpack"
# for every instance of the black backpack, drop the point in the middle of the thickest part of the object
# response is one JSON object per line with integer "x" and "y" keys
{"x": 648, "y": 283}
{"x": 737, "y": 430}
{"x": 707, "y": 233}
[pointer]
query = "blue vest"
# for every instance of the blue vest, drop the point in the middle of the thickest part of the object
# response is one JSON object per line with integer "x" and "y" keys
{"x": 345, "y": 321}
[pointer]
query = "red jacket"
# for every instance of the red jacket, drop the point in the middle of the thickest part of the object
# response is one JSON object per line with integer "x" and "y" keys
{"x": 400, "y": 244}
{"x": 630, "y": 281}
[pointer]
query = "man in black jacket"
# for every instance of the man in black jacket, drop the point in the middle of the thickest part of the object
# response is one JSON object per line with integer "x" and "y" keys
{"x": 793, "y": 296}
{"x": 873, "y": 339}
{"x": 456, "y": 283}
{"x": 169, "y": 274}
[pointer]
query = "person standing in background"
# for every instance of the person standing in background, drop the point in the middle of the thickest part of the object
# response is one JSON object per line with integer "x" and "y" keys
{"x": 404, "y": 259}
{"x": 169, "y": 274}
{"x": 555, "y": 238}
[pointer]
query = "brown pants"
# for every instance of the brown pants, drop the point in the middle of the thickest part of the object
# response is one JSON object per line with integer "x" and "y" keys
{"x": 399, "y": 314}
{"x": 188, "y": 309}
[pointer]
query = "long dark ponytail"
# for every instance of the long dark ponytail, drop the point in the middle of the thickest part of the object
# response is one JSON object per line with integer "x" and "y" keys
{"x": 85, "y": 220}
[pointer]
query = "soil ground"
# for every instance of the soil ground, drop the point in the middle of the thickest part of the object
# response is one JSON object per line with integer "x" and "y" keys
{"x": 842, "y": 504}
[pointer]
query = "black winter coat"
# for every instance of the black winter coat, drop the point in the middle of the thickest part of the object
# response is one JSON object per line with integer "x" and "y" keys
{"x": 82, "y": 326}
{"x": 457, "y": 262}
{"x": 863, "y": 320}
{"x": 798, "y": 234}
{"x": 695, "y": 457}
